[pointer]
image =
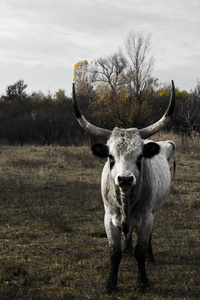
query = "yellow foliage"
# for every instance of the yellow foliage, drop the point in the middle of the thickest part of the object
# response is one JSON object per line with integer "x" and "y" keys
{"x": 80, "y": 68}
{"x": 179, "y": 94}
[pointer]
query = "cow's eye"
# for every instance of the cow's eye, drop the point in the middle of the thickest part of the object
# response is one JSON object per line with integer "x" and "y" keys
{"x": 139, "y": 161}
{"x": 112, "y": 161}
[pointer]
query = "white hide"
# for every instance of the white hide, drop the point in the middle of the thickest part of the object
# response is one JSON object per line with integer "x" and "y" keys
{"x": 150, "y": 186}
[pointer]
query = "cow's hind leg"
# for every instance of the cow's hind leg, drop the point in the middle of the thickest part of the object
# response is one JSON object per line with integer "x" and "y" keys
{"x": 114, "y": 239}
{"x": 128, "y": 247}
{"x": 150, "y": 255}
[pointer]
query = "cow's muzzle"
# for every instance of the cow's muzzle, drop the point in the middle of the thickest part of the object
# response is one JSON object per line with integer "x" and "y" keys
{"x": 125, "y": 181}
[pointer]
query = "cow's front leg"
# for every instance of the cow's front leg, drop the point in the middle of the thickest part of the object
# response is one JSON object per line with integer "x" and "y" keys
{"x": 140, "y": 252}
{"x": 114, "y": 239}
{"x": 140, "y": 255}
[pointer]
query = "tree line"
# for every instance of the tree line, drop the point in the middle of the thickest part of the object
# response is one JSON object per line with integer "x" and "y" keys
{"x": 115, "y": 90}
{"x": 37, "y": 118}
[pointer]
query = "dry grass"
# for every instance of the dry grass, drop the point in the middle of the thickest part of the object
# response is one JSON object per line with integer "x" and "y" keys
{"x": 184, "y": 144}
{"x": 53, "y": 243}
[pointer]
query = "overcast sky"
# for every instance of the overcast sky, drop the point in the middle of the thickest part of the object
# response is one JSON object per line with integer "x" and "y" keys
{"x": 41, "y": 40}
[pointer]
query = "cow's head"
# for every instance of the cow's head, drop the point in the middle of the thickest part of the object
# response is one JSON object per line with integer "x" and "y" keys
{"x": 125, "y": 151}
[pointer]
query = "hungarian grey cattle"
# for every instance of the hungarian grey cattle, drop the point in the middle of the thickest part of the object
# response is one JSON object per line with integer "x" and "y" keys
{"x": 135, "y": 184}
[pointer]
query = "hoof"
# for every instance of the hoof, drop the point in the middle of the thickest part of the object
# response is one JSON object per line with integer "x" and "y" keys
{"x": 146, "y": 289}
{"x": 111, "y": 287}
{"x": 139, "y": 290}
{"x": 143, "y": 289}
{"x": 111, "y": 291}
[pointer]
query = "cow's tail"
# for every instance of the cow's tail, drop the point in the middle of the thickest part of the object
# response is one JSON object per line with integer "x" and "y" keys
{"x": 174, "y": 156}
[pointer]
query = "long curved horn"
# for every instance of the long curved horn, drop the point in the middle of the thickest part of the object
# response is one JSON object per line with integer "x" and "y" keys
{"x": 92, "y": 129}
{"x": 159, "y": 125}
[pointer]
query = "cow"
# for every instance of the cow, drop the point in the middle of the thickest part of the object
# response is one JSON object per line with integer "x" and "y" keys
{"x": 135, "y": 183}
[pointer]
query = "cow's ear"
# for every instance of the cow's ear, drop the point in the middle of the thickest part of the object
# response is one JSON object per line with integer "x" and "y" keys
{"x": 100, "y": 150}
{"x": 150, "y": 149}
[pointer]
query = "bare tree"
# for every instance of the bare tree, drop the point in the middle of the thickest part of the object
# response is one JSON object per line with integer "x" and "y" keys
{"x": 141, "y": 65}
{"x": 188, "y": 111}
{"x": 109, "y": 79}
{"x": 123, "y": 83}
{"x": 110, "y": 70}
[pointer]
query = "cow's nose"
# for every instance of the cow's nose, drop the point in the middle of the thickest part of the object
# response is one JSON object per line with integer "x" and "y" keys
{"x": 125, "y": 180}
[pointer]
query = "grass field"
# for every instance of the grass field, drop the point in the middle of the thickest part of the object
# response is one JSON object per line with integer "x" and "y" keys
{"x": 52, "y": 239}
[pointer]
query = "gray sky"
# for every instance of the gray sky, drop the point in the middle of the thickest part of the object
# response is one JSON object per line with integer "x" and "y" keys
{"x": 41, "y": 40}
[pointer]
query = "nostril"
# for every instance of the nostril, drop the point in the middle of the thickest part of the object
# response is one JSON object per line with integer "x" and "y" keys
{"x": 125, "y": 180}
